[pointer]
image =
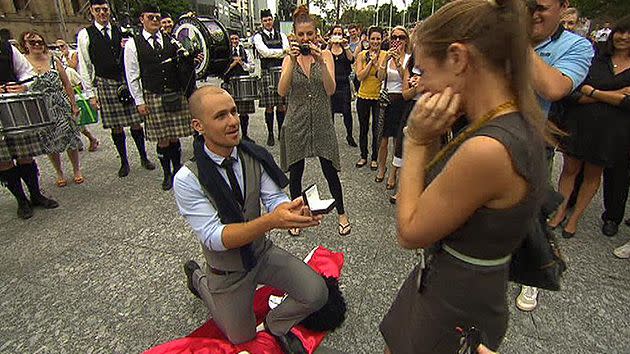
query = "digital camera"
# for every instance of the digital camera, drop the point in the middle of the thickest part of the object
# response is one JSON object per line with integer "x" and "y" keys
{"x": 305, "y": 49}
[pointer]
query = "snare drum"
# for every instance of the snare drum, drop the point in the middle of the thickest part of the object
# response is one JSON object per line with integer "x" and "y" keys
{"x": 24, "y": 112}
{"x": 274, "y": 75}
{"x": 244, "y": 88}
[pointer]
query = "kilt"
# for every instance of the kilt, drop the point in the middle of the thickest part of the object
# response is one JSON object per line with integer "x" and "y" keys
{"x": 269, "y": 97}
{"x": 113, "y": 113}
{"x": 20, "y": 146}
{"x": 245, "y": 107}
{"x": 166, "y": 125}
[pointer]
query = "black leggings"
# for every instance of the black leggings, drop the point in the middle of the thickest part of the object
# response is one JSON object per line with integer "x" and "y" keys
{"x": 295, "y": 181}
{"x": 363, "y": 112}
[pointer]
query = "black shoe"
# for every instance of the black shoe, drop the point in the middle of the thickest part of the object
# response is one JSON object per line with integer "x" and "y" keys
{"x": 124, "y": 170}
{"x": 147, "y": 164}
{"x": 167, "y": 183}
{"x": 189, "y": 268}
{"x": 567, "y": 234}
{"x": 270, "y": 140}
{"x": 43, "y": 202}
{"x": 24, "y": 210}
{"x": 610, "y": 228}
{"x": 291, "y": 344}
{"x": 351, "y": 141}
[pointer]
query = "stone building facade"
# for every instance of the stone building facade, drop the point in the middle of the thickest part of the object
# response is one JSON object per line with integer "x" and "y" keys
{"x": 53, "y": 18}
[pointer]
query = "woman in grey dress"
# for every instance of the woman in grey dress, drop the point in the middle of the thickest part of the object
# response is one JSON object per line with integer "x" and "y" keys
{"x": 472, "y": 203}
{"x": 308, "y": 81}
{"x": 53, "y": 81}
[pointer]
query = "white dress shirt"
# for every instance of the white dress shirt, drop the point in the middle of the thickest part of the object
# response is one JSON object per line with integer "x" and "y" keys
{"x": 132, "y": 65}
{"x": 86, "y": 68}
{"x": 21, "y": 66}
{"x": 266, "y": 52}
{"x": 201, "y": 214}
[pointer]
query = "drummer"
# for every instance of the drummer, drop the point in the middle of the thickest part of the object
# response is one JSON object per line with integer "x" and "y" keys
{"x": 20, "y": 148}
{"x": 152, "y": 70}
{"x": 100, "y": 56}
{"x": 240, "y": 66}
{"x": 271, "y": 46}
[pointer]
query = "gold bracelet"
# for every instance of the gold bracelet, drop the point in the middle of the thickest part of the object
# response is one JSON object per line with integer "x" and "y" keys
{"x": 413, "y": 140}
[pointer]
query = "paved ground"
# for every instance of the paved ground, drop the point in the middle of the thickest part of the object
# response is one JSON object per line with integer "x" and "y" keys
{"x": 102, "y": 273}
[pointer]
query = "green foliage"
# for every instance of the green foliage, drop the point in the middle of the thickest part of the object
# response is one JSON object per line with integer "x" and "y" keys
{"x": 174, "y": 7}
{"x": 602, "y": 9}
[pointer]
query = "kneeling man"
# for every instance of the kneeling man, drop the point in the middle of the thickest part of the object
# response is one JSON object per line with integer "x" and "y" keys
{"x": 220, "y": 195}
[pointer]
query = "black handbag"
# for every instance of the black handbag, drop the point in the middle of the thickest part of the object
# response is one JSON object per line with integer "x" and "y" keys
{"x": 538, "y": 261}
{"x": 171, "y": 102}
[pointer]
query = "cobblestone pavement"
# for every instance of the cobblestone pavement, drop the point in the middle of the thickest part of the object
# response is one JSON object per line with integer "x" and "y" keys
{"x": 103, "y": 272}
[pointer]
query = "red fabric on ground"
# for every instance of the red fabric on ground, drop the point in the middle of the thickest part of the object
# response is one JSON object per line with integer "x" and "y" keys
{"x": 208, "y": 339}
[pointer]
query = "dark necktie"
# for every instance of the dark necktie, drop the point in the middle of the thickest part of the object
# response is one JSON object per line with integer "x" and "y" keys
{"x": 106, "y": 35}
{"x": 247, "y": 251}
{"x": 235, "y": 52}
{"x": 156, "y": 44}
{"x": 227, "y": 164}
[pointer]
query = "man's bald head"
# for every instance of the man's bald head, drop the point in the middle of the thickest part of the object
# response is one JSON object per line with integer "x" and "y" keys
{"x": 200, "y": 96}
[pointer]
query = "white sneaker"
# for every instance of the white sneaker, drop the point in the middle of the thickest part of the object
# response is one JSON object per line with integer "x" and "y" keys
{"x": 623, "y": 251}
{"x": 527, "y": 300}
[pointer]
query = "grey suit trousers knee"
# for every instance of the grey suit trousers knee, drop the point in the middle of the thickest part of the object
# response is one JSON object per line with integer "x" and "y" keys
{"x": 230, "y": 298}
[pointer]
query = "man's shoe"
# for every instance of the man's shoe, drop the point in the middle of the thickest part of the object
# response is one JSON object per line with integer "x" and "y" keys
{"x": 527, "y": 299}
{"x": 623, "y": 251}
{"x": 270, "y": 140}
{"x": 291, "y": 344}
{"x": 124, "y": 170}
{"x": 189, "y": 268}
{"x": 167, "y": 183}
{"x": 351, "y": 141}
{"x": 41, "y": 201}
{"x": 147, "y": 164}
{"x": 610, "y": 228}
{"x": 24, "y": 210}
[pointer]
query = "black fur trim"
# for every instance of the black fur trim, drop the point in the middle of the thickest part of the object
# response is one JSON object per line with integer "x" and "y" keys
{"x": 332, "y": 315}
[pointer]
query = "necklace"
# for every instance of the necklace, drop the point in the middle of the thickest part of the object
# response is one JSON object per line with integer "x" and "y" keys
{"x": 475, "y": 126}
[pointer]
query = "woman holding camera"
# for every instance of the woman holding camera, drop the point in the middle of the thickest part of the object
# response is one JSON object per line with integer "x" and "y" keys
{"x": 368, "y": 62}
{"x": 308, "y": 81}
{"x": 340, "y": 100}
{"x": 393, "y": 72}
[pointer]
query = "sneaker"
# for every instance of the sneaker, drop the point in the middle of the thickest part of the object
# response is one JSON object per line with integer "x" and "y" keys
{"x": 527, "y": 300}
{"x": 623, "y": 252}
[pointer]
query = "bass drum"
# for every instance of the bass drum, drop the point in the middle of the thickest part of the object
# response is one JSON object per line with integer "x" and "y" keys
{"x": 209, "y": 37}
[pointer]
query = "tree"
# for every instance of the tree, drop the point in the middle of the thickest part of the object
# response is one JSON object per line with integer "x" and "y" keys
{"x": 602, "y": 9}
{"x": 173, "y": 7}
{"x": 362, "y": 17}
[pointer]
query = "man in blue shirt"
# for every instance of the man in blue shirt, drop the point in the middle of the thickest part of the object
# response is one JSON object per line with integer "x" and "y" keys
{"x": 561, "y": 60}
{"x": 220, "y": 195}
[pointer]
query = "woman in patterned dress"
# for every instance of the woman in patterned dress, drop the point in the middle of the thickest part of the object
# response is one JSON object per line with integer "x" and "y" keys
{"x": 53, "y": 81}
{"x": 308, "y": 81}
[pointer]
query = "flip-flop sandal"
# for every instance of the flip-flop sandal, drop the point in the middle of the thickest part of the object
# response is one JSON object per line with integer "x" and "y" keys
{"x": 61, "y": 182}
{"x": 390, "y": 187}
{"x": 79, "y": 179}
{"x": 373, "y": 165}
{"x": 93, "y": 145}
{"x": 361, "y": 163}
{"x": 393, "y": 199}
{"x": 379, "y": 179}
{"x": 294, "y": 232}
{"x": 345, "y": 229}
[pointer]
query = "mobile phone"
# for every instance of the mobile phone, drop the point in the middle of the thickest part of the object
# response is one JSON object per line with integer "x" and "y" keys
{"x": 469, "y": 340}
{"x": 335, "y": 39}
{"x": 305, "y": 49}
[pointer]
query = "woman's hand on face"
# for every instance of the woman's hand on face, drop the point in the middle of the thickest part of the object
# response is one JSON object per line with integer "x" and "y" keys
{"x": 294, "y": 51}
{"x": 432, "y": 116}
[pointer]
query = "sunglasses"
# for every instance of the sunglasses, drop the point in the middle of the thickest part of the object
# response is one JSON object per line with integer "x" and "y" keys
{"x": 35, "y": 42}
{"x": 154, "y": 17}
{"x": 401, "y": 37}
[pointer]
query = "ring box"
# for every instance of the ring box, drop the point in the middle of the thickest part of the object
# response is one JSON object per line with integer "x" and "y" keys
{"x": 315, "y": 203}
